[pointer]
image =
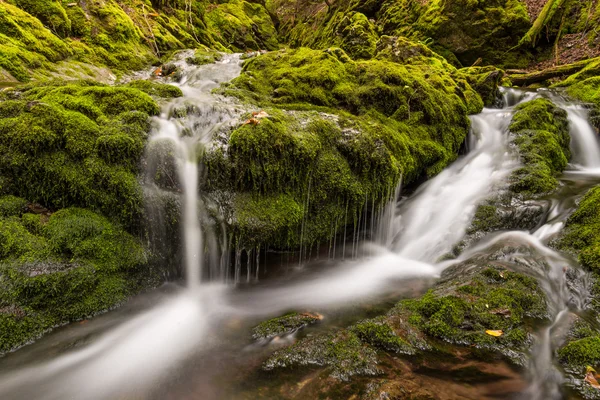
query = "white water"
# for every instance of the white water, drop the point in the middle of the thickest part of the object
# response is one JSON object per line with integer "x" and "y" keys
{"x": 206, "y": 113}
{"x": 586, "y": 152}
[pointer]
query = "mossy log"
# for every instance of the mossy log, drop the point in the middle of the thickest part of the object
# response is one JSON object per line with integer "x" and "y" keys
{"x": 541, "y": 21}
{"x": 549, "y": 73}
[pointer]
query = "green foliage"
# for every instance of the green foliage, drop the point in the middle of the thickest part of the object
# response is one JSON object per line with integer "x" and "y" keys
{"x": 50, "y": 13}
{"x": 541, "y": 133}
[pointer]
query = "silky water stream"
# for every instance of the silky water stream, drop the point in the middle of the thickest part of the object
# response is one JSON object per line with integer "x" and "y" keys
{"x": 193, "y": 342}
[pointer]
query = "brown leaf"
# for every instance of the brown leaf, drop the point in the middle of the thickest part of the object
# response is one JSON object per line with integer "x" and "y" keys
{"x": 591, "y": 378}
{"x": 502, "y": 311}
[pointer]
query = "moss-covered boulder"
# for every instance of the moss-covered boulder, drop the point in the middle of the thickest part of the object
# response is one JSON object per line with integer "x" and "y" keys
{"x": 284, "y": 325}
{"x": 540, "y": 131}
{"x": 341, "y": 352}
{"x": 582, "y": 346}
{"x": 338, "y": 134}
{"x": 61, "y": 267}
{"x": 468, "y": 29}
{"x": 49, "y": 38}
{"x": 243, "y": 25}
{"x": 77, "y": 144}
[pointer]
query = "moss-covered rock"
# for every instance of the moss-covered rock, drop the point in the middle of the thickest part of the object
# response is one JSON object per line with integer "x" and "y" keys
{"x": 348, "y": 132}
{"x": 69, "y": 266}
{"x": 243, "y": 25}
{"x": 541, "y": 133}
{"x": 462, "y": 308}
{"x": 120, "y": 35}
{"x": 77, "y": 144}
{"x": 286, "y": 324}
{"x": 342, "y": 352}
{"x": 468, "y": 29}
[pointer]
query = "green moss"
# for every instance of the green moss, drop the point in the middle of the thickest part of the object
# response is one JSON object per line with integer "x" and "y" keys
{"x": 540, "y": 132}
{"x": 50, "y": 13}
{"x": 75, "y": 264}
{"x": 156, "y": 89}
{"x": 484, "y": 80}
{"x": 493, "y": 300}
{"x": 356, "y": 128}
{"x": 581, "y": 352}
{"x": 202, "y": 57}
{"x": 470, "y": 30}
{"x": 342, "y": 352}
{"x": 12, "y": 206}
{"x": 379, "y": 334}
{"x": 242, "y": 25}
{"x": 285, "y": 324}
{"x": 76, "y": 144}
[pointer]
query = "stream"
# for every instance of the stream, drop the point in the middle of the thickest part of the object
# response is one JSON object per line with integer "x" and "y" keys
{"x": 192, "y": 340}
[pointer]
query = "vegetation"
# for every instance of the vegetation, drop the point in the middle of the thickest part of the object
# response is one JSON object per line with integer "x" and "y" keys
{"x": 541, "y": 133}
{"x": 62, "y": 267}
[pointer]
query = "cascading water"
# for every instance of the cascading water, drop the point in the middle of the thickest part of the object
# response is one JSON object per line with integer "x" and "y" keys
{"x": 203, "y": 114}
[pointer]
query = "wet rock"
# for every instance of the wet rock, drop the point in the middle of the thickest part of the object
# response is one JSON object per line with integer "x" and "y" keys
{"x": 284, "y": 325}
{"x": 342, "y": 352}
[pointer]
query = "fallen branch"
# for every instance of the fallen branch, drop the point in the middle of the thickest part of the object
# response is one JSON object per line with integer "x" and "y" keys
{"x": 519, "y": 79}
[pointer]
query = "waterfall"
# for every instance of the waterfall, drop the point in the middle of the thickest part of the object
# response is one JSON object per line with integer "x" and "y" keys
{"x": 584, "y": 142}
{"x": 203, "y": 114}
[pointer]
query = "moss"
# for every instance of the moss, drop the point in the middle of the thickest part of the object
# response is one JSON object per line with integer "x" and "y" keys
{"x": 342, "y": 352}
{"x": 493, "y": 299}
{"x": 285, "y": 324}
{"x": 12, "y": 206}
{"x": 352, "y": 31}
{"x": 581, "y": 352}
{"x": 470, "y": 30}
{"x": 76, "y": 144}
{"x": 202, "y": 57}
{"x": 484, "y": 80}
{"x": 242, "y": 25}
{"x": 486, "y": 219}
{"x": 350, "y": 131}
{"x": 588, "y": 91}
{"x": 378, "y": 333}
{"x": 156, "y": 89}
{"x": 581, "y": 233}
{"x": 70, "y": 266}
{"x": 50, "y": 13}
{"x": 541, "y": 133}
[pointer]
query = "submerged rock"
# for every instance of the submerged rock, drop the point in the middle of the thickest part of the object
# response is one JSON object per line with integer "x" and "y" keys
{"x": 342, "y": 352}
{"x": 284, "y": 325}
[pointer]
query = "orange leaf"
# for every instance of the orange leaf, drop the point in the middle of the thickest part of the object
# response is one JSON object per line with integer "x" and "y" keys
{"x": 494, "y": 333}
{"x": 590, "y": 378}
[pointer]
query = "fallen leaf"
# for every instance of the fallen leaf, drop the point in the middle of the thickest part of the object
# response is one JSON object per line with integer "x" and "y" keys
{"x": 252, "y": 121}
{"x": 494, "y": 333}
{"x": 591, "y": 378}
{"x": 261, "y": 115}
{"x": 505, "y": 312}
